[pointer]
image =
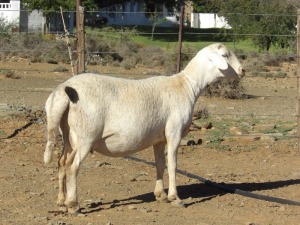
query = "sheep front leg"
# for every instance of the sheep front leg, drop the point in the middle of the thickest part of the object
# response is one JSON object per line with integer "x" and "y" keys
{"x": 172, "y": 148}
{"x": 160, "y": 160}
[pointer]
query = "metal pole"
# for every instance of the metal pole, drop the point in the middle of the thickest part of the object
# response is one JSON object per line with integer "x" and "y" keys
{"x": 180, "y": 39}
{"x": 298, "y": 76}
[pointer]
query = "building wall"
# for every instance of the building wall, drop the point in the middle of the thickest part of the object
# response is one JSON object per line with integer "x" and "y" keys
{"x": 208, "y": 20}
{"x": 31, "y": 21}
{"x": 10, "y": 11}
{"x": 132, "y": 13}
{"x": 25, "y": 21}
{"x": 129, "y": 13}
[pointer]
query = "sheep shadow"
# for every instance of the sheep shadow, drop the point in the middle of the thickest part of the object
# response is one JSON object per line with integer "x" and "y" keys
{"x": 199, "y": 192}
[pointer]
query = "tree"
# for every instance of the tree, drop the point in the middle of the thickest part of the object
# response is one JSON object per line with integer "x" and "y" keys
{"x": 54, "y": 5}
{"x": 206, "y": 6}
{"x": 6, "y": 27}
{"x": 49, "y": 7}
{"x": 273, "y": 20}
{"x": 155, "y": 20}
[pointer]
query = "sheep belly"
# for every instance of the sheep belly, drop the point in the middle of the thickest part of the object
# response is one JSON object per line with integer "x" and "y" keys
{"x": 121, "y": 144}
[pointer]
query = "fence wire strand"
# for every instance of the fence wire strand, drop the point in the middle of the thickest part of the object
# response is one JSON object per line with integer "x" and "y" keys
{"x": 187, "y": 33}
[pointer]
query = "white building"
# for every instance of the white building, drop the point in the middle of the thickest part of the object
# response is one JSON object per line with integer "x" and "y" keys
{"x": 128, "y": 13}
{"x": 10, "y": 10}
{"x": 133, "y": 13}
{"x": 208, "y": 20}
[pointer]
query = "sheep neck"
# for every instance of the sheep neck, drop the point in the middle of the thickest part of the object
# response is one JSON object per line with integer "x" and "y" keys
{"x": 197, "y": 73}
{"x": 191, "y": 84}
{"x": 194, "y": 83}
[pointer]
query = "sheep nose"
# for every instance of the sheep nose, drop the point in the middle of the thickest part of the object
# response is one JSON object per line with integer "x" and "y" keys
{"x": 242, "y": 72}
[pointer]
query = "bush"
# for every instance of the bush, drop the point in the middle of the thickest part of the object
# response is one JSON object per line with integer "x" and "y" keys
{"x": 35, "y": 48}
{"x": 152, "y": 56}
{"x": 9, "y": 74}
{"x": 129, "y": 63}
{"x": 225, "y": 88}
{"x": 104, "y": 46}
{"x": 258, "y": 64}
{"x": 60, "y": 69}
{"x": 6, "y": 27}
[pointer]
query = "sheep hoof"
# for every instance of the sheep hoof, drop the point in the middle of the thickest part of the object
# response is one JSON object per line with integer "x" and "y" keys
{"x": 74, "y": 211}
{"x": 162, "y": 197}
{"x": 178, "y": 203}
{"x": 63, "y": 208}
{"x": 162, "y": 200}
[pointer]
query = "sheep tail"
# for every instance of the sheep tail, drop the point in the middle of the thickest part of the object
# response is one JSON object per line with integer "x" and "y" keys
{"x": 56, "y": 105}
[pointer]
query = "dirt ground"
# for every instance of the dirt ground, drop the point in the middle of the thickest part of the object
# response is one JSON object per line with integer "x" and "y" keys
{"x": 120, "y": 191}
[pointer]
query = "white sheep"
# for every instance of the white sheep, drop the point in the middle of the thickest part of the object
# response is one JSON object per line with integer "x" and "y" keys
{"x": 117, "y": 117}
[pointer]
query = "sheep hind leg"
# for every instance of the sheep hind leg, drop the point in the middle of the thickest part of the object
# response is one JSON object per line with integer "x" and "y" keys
{"x": 67, "y": 150}
{"x": 71, "y": 170}
{"x": 62, "y": 182}
{"x": 159, "y": 153}
{"x": 72, "y": 167}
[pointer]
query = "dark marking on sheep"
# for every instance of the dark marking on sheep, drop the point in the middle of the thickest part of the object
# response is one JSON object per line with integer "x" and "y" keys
{"x": 72, "y": 94}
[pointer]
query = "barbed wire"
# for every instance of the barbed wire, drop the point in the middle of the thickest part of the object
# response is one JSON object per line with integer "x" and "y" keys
{"x": 116, "y": 52}
{"x": 163, "y": 34}
{"x": 250, "y": 115}
{"x": 147, "y": 75}
{"x": 166, "y": 33}
{"x": 248, "y": 34}
{"x": 109, "y": 12}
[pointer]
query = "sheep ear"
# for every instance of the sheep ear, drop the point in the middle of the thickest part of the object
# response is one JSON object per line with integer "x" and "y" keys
{"x": 218, "y": 60}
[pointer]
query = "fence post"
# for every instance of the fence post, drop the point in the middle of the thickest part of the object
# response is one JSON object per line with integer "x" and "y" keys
{"x": 298, "y": 78}
{"x": 80, "y": 37}
{"x": 67, "y": 41}
{"x": 180, "y": 39}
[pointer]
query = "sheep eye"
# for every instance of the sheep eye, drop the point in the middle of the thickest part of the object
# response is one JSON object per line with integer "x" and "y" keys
{"x": 226, "y": 54}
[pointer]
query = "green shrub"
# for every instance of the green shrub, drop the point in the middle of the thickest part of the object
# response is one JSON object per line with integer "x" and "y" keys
{"x": 6, "y": 27}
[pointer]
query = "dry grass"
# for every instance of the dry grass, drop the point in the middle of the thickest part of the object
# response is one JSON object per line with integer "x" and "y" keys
{"x": 124, "y": 53}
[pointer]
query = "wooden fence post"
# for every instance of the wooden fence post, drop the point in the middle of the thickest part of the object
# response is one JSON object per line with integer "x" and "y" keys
{"x": 67, "y": 41}
{"x": 298, "y": 78}
{"x": 80, "y": 37}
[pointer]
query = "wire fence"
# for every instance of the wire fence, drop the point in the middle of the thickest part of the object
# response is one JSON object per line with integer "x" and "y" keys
{"x": 169, "y": 34}
{"x": 53, "y": 23}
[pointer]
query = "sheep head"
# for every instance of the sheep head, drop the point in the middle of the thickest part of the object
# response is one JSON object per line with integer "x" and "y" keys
{"x": 212, "y": 62}
{"x": 222, "y": 59}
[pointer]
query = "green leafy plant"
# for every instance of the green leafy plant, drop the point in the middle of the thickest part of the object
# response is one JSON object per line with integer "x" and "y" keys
{"x": 283, "y": 130}
{"x": 215, "y": 139}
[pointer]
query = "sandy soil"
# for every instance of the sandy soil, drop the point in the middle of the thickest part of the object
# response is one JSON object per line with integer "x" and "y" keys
{"x": 120, "y": 191}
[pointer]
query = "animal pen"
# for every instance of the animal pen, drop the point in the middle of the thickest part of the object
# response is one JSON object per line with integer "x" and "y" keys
{"x": 284, "y": 109}
{"x": 81, "y": 57}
